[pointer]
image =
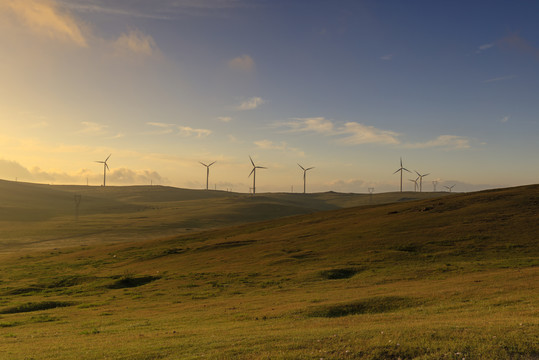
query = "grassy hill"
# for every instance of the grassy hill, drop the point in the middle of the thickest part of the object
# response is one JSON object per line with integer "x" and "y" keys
{"x": 37, "y": 216}
{"x": 443, "y": 278}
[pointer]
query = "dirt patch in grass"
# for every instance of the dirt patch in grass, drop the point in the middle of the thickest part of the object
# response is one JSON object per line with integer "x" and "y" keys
{"x": 35, "y": 306}
{"x": 374, "y": 305}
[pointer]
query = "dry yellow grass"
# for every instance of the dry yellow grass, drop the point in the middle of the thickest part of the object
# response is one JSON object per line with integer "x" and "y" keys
{"x": 445, "y": 278}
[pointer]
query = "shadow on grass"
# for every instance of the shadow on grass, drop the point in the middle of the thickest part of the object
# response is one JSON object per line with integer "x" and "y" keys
{"x": 374, "y": 305}
{"x": 131, "y": 281}
{"x": 35, "y": 306}
{"x": 342, "y": 273}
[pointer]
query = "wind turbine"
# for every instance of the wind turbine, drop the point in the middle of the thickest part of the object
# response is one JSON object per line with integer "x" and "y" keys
{"x": 415, "y": 183}
{"x": 207, "y": 171}
{"x": 253, "y": 172}
{"x": 305, "y": 175}
{"x": 105, "y": 168}
{"x": 450, "y": 187}
{"x": 434, "y": 183}
{"x": 420, "y": 180}
{"x": 401, "y": 169}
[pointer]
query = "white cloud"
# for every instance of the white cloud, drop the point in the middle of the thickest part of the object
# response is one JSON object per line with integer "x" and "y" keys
{"x": 443, "y": 141}
{"x": 224, "y": 118}
{"x": 500, "y": 78}
{"x": 45, "y": 18}
{"x": 282, "y": 146}
{"x": 242, "y": 63}
{"x": 14, "y": 170}
{"x": 93, "y": 128}
{"x": 505, "y": 119}
{"x": 135, "y": 42}
{"x": 182, "y": 130}
{"x": 164, "y": 128}
{"x": 357, "y": 133}
{"x": 386, "y": 57}
{"x": 189, "y": 131}
{"x": 316, "y": 124}
{"x": 349, "y": 133}
{"x": 251, "y": 103}
{"x": 483, "y": 47}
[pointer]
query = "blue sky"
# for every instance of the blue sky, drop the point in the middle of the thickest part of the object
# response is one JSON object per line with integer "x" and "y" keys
{"x": 348, "y": 87}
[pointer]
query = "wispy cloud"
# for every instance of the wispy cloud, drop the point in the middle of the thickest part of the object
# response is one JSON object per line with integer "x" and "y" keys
{"x": 135, "y": 42}
{"x": 314, "y": 124}
{"x": 251, "y": 103}
{"x": 93, "y": 128}
{"x": 282, "y": 146}
{"x": 483, "y": 47}
{"x": 189, "y": 131}
{"x": 181, "y": 130}
{"x": 242, "y": 63}
{"x": 386, "y": 57}
{"x": 155, "y": 9}
{"x": 46, "y": 18}
{"x": 224, "y": 118}
{"x": 442, "y": 141}
{"x": 501, "y": 78}
{"x": 356, "y": 133}
{"x": 349, "y": 133}
{"x": 162, "y": 128}
{"x": 517, "y": 43}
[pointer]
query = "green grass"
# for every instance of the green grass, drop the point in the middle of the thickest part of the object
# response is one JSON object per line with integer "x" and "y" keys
{"x": 442, "y": 278}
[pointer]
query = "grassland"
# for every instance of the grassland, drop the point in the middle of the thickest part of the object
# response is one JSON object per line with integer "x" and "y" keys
{"x": 453, "y": 277}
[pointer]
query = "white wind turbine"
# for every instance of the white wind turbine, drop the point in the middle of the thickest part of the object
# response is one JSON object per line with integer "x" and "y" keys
{"x": 420, "y": 180}
{"x": 207, "y": 171}
{"x": 305, "y": 175}
{"x": 253, "y": 172}
{"x": 415, "y": 183}
{"x": 401, "y": 169}
{"x": 450, "y": 187}
{"x": 105, "y": 168}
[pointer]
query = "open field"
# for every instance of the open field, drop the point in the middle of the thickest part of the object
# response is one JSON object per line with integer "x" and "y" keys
{"x": 453, "y": 277}
{"x": 37, "y": 216}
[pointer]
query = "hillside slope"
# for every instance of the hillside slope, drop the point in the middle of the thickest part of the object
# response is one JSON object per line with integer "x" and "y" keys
{"x": 44, "y": 216}
{"x": 446, "y": 278}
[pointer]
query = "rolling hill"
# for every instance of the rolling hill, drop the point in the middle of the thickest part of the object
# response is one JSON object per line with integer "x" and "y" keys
{"x": 452, "y": 277}
{"x": 44, "y": 216}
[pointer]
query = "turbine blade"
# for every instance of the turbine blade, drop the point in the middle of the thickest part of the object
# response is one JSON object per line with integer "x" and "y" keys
{"x": 426, "y": 174}
{"x": 252, "y": 171}
{"x": 212, "y": 163}
{"x": 406, "y": 170}
{"x": 107, "y": 157}
{"x": 302, "y": 168}
{"x": 107, "y": 166}
{"x": 397, "y": 171}
{"x": 260, "y": 167}
{"x": 101, "y": 162}
{"x": 252, "y": 162}
{"x": 203, "y": 164}
{"x": 309, "y": 168}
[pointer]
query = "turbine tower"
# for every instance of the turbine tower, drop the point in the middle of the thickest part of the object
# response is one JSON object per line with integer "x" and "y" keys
{"x": 450, "y": 187}
{"x": 420, "y": 180}
{"x": 305, "y": 175}
{"x": 105, "y": 168}
{"x": 207, "y": 171}
{"x": 401, "y": 169}
{"x": 253, "y": 172}
{"x": 434, "y": 183}
{"x": 415, "y": 183}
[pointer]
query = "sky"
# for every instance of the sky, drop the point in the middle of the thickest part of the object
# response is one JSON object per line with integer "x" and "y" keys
{"x": 346, "y": 87}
